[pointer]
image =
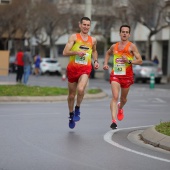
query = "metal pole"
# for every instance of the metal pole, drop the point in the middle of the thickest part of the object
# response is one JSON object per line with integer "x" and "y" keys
{"x": 167, "y": 18}
{"x": 87, "y": 13}
{"x": 88, "y": 5}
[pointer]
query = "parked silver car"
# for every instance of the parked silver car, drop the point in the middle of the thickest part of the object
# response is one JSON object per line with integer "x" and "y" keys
{"x": 141, "y": 72}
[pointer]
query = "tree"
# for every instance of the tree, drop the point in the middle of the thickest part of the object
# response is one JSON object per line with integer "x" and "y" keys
{"x": 13, "y": 19}
{"x": 49, "y": 24}
{"x": 150, "y": 14}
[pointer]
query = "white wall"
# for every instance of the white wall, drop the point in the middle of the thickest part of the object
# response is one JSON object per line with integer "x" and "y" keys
{"x": 157, "y": 50}
{"x": 140, "y": 33}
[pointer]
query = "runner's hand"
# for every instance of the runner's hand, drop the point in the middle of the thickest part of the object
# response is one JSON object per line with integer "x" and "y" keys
{"x": 96, "y": 65}
{"x": 81, "y": 53}
{"x": 105, "y": 67}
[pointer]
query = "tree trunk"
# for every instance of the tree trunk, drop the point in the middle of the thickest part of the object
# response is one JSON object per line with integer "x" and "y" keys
{"x": 148, "y": 48}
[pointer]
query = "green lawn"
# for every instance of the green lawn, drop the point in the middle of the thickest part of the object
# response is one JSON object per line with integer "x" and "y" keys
{"x": 22, "y": 90}
{"x": 163, "y": 127}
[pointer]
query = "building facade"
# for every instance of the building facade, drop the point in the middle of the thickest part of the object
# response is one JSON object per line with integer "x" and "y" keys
{"x": 4, "y": 2}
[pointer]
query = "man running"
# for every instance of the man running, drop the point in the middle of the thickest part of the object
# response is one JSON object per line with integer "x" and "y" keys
{"x": 125, "y": 53}
{"x": 79, "y": 47}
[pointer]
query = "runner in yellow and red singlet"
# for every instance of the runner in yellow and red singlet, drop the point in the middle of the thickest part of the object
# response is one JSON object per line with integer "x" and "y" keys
{"x": 125, "y": 53}
{"x": 80, "y": 47}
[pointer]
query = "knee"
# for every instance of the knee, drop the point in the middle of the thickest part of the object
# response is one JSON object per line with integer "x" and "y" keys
{"x": 123, "y": 100}
{"x": 80, "y": 91}
{"x": 71, "y": 96}
{"x": 115, "y": 98}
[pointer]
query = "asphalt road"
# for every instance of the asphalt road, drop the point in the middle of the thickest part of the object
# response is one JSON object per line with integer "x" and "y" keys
{"x": 35, "y": 136}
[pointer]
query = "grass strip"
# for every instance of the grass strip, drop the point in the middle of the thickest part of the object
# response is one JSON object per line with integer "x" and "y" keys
{"x": 164, "y": 128}
{"x": 22, "y": 90}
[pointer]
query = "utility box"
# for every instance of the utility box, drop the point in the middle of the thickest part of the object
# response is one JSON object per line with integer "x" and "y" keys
{"x": 4, "y": 63}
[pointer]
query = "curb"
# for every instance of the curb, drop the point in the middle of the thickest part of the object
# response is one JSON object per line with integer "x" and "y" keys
{"x": 47, "y": 98}
{"x": 151, "y": 136}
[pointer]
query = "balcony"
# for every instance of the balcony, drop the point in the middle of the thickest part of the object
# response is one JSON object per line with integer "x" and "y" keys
{"x": 5, "y": 2}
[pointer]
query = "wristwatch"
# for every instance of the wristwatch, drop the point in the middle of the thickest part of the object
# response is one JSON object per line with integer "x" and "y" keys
{"x": 129, "y": 61}
{"x": 96, "y": 61}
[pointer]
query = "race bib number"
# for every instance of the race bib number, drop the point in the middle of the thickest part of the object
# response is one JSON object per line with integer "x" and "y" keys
{"x": 82, "y": 60}
{"x": 120, "y": 69}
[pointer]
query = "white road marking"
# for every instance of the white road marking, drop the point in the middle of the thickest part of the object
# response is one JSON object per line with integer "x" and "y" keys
{"x": 108, "y": 138}
{"x": 160, "y": 100}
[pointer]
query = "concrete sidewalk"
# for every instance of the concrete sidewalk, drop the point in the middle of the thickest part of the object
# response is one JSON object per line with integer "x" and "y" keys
{"x": 151, "y": 136}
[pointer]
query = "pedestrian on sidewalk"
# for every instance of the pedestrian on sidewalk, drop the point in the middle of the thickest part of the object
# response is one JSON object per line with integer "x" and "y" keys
{"x": 125, "y": 54}
{"x": 37, "y": 61}
{"x": 27, "y": 65}
{"x": 20, "y": 65}
{"x": 155, "y": 60}
{"x": 80, "y": 47}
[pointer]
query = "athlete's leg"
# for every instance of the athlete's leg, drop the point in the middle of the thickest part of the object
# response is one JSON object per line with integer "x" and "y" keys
{"x": 82, "y": 83}
{"x": 123, "y": 97}
{"x": 115, "y": 87}
{"x": 71, "y": 96}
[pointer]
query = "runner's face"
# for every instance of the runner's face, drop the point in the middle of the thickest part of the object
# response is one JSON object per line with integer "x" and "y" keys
{"x": 84, "y": 26}
{"x": 124, "y": 34}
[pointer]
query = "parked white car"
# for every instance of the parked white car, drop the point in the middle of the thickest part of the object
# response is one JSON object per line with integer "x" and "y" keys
{"x": 49, "y": 65}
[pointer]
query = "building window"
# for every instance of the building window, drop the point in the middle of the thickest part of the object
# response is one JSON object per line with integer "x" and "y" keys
{"x": 3, "y": 2}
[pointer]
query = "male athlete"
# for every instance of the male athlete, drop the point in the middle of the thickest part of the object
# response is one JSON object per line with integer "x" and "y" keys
{"x": 80, "y": 47}
{"x": 125, "y": 53}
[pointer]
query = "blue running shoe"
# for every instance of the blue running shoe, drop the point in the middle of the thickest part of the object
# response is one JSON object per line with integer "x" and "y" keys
{"x": 71, "y": 122}
{"x": 76, "y": 115}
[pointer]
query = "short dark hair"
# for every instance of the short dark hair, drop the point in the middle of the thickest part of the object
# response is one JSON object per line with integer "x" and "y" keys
{"x": 125, "y": 26}
{"x": 85, "y": 18}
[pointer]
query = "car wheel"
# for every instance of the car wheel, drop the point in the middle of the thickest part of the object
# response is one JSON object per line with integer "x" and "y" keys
{"x": 144, "y": 81}
{"x": 158, "y": 80}
{"x": 58, "y": 73}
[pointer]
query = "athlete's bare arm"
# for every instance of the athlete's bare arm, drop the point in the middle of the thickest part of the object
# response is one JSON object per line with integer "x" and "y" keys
{"x": 94, "y": 53}
{"x": 67, "y": 50}
{"x": 137, "y": 57}
{"x": 136, "y": 54}
{"x": 107, "y": 57}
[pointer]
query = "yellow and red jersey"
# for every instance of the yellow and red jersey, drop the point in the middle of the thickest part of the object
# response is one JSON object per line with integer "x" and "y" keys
{"x": 79, "y": 64}
{"x": 120, "y": 68}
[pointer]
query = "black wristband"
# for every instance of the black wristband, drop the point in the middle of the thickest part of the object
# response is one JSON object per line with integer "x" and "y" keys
{"x": 95, "y": 61}
{"x": 130, "y": 62}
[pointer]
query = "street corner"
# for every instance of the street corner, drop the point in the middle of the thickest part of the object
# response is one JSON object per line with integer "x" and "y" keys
{"x": 151, "y": 136}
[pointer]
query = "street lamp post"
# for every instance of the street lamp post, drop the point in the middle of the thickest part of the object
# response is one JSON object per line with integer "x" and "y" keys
{"x": 87, "y": 12}
{"x": 88, "y": 4}
{"x": 167, "y": 18}
{"x": 168, "y": 73}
